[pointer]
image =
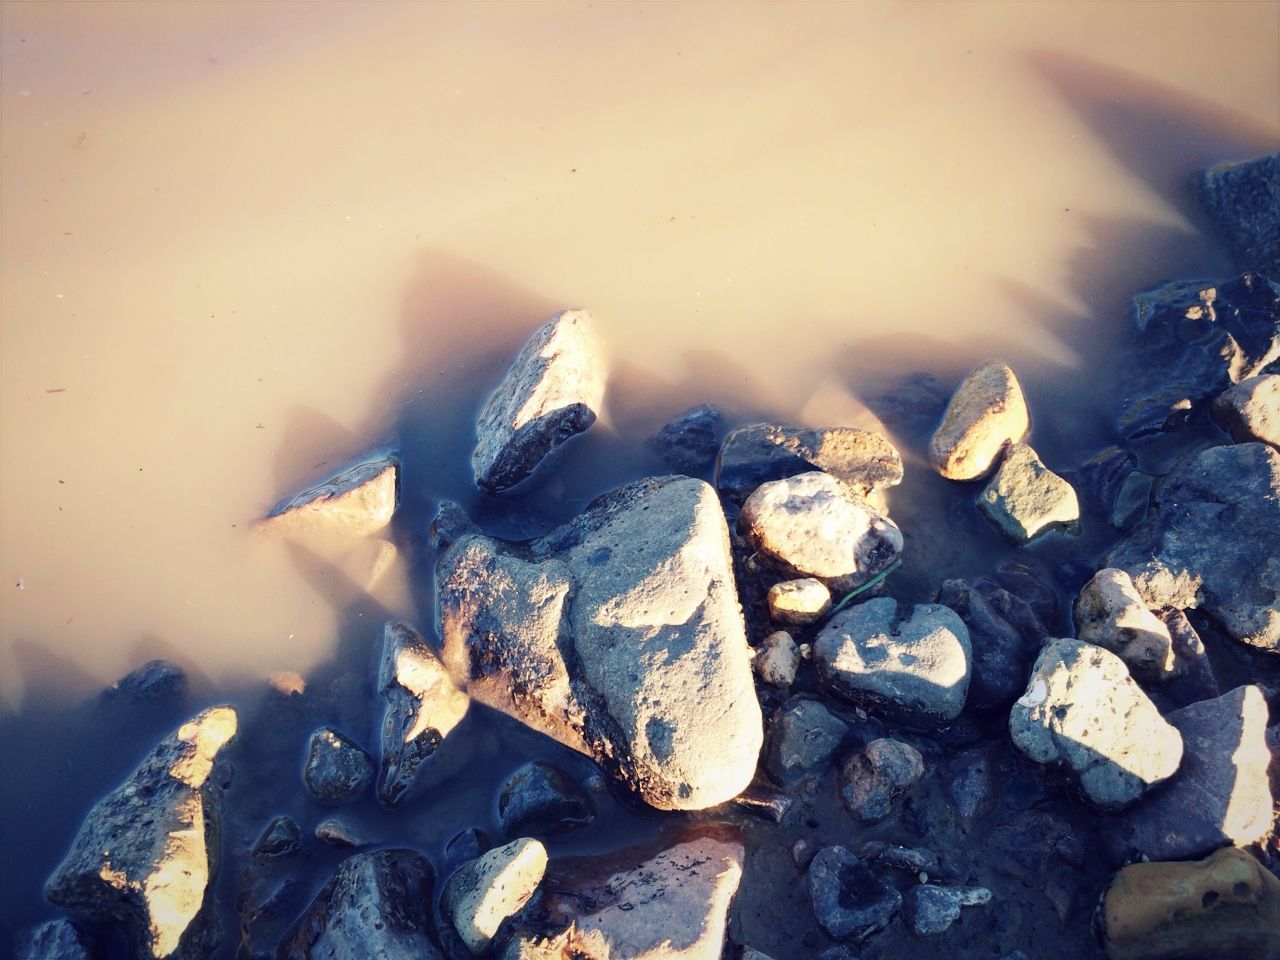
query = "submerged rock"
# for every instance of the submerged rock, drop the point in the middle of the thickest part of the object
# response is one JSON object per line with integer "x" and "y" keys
{"x": 849, "y": 900}
{"x": 986, "y": 413}
{"x": 553, "y": 391}
{"x": 931, "y": 909}
{"x": 486, "y": 892}
{"x": 874, "y": 779}
{"x": 280, "y": 840}
{"x": 970, "y": 782}
{"x": 147, "y": 854}
{"x": 1251, "y": 410}
{"x": 154, "y": 680}
{"x": 1025, "y": 498}
{"x": 56, "y": 940}
{"x": 1243, "y": 198}
{"x": 540, "y": 798}
{"x": 337, "y": 769}
{"x": 335, "y": 833}
{"x": 465, "y": 845}
{"x": 450, "y": 523}
{"x": 360, "y": 499}
{"x": 777, "y": 660}
{"x": 1000, "y": 654}
{"x": 1109, "y": 613}
{"x": 802, "y": 739}
{"x": 1132, "y": 500}
{"x": 689, "y": 441}
{"x": 799, "y": 601}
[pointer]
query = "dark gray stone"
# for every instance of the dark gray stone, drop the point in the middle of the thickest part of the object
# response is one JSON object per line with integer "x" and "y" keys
{"x": 1031, "y": 586}
{"x": 56, "y": 940}
{"x": 1193, "y": 675}
{"x": 1244, "y": 200}
{"x": 802, "y": 739}
{"x": 688, "y": 442}
{"x": 450, "y": 523}
{"x": 1132, "y": 500}
{"x": 849, "y": 900}
{"x": 280, "y": 840}
{"x": 540, "y": 799}
{"x": 1101, "y": 476}
{"x": 1001, "y": 657}
{"x": 1016, "y": 611}
{"x": 154, "y": 680}
{"x": 971, "y": 783}
{"x": 915, "y": 860}
{"x": 337, "y": 770}
{"x": 932, "y": 909}
{"x": 873, "y": 780}
{"x": 466, "y": 845}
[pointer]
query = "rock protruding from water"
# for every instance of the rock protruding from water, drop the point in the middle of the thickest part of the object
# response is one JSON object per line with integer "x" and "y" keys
{"x": 360, "y": 499}
{"x": 147, "y": 854}
{"x": 915, "y": 668}
{"x": 539, "y": 798}
{"x": 154, "y": 680}
{"x": 280, "y": 839}
{"x": 931, "y": 909}
{"x": 1244, "y": 199}
{"x": 986, "y": 413}
{"x": 1000, "y": 653}
{"x": 423, "y": 706}
{"x": 56, "y": 940}
{"x": 619, "y": 635}
{"x": 1210, "y": 542}
{"x": 487, "y": 891}
{"x": 803, "y": 738}
{"x": 874, "y": 779}
{"x": 337, "y": 769}
{"x": 688, "y": 442}
{"x": 849, "y": 900}
{"x": 1083, "y": 711}
{"x": 799, "y": 602}
{"x": 553, "y": 391}
{"x": 1110, "y": 613}
{"x": 1251, "y": 410}
{"x": 1025, "y": 498}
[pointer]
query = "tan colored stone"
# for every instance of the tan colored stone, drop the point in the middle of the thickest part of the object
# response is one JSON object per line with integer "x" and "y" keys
{"x": 488, "y": 890}
{"x": 985, "y": 413}
{"x": 1110, "y": 613}
{"x": 799, "y": 601}
{"x": 359, "y": 500}
{"x": 1025, "y": 498}
{"x": 777, "y": 659}
{"x": 1251, "y": 410}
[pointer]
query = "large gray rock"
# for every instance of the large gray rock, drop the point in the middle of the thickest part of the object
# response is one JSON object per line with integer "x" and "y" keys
{"x": 1251, "y": 410}
{"x": 986, "y": 413}
{"x": 1210, "y": 542}
{"x": 360, "y": 499}
{"x": 1084, "y": 712}
{"x": 802, "y": 739}
{"x": 1109, "y": 613}
{"x": 619, "y": 635}
{"x": 1025, "y": 498}
{"x": 482, "y": 894}
{"x": 1244, "y": 200}
{"x": 147, "y": 855}
{"x": 553, "y": 391}
{"x": 915, "y": 669}
{"x": 1000, "y": 654}
{"x": 849, "y": 900}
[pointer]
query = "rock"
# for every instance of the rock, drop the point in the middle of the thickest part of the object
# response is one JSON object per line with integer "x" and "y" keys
{"x": 971, "y": 783}
{"x": 1083, "y": 710}
{"x": 915, "y": 669}
{"x": 810, "y": 525}
{"x": 146, "y": 856}
{"x": 360, "y": 499}
{"x": 154, "y": 680}
{"x": 1018, "y": 613}
{"x": 280, "y": 840}
{"x": 1000, "y": 656}
{"x": 777, "y": 660}
{"x": 689, "y": 441}
{"x": 265, "y": 909}
{"x": 1102, "y": 475}
{"x": 1226, "y": 905}
{"x": 1039, "y": 843}
{"x": 540, "y": 798}
{"x": 931, "y": 909}
{"x": 802, "y": 739}
{"x": 376, "y": 906}
{"x": 1250, "y": 410}
{"x": 1132, "y": 500}
{"x": 55, "y": 940}
{"x": 986, "y": 412}
{"x": 450, "y": 523}
{"x": 466, "y": 845}
{"x": 764, "y": 452}
{"x": 923, "y": 863}
{"x": 764, "y": 800}
{"x": 423, "y": 706}
{"x": 553, "y": 391}
{"x": 1025, "y": 498}
{"x": 799, "y": 601}
{"x": 1209, "y": 542}
{"x": 337, "y": 834}
{"x": 489, "y": 890}
{"x": 1243, "y": 199}
{"x": 1109, "y": 613}
{"x": 848, "y": 899}
{"x": 337, "y": 770}
{"x": 1193, "y": 677}
{"x": 751, "y": 953}
{"x": 1031, "y": 586}
{"x": 873, "y": 780}
{"x": 1220, "y": 796}
{"x": 601, "y": 633}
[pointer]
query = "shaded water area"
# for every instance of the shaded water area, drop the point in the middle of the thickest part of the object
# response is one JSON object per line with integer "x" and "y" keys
{"x": 243, "y": 244}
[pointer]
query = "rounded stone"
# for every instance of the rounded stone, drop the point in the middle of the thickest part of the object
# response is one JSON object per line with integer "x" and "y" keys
{"x": 799, "y": 601}
{"x": 986, "y": 412}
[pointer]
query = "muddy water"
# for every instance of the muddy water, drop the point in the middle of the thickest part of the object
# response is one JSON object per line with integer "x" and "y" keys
{"x": 242, "y": 243}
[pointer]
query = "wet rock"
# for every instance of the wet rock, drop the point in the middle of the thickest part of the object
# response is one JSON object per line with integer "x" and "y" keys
{"x": 541, "y": 799}
{"x": 376, "y": 905}
{"x": 1243, "y": 198}
{"x": 802, "y": 739}
{"x": 1209, "y": 542}
{"x": 1102, "y": 475}
{"x": 1018, "y": 613}
{"x": 56, "y": 940}
{"x": 764, "y": 452}
{"x": 361, "y": 499}
{"x": 1037, "y": 843}
{"x": 423, "y": 706}
{"x": 923, "y": 863}
{"x": 154, "y": 680}
{"x": 266, "y": 909}
{"x": 873, "y": 780}
{"x": 764, "y": 800}
{"x": 1226, "y": 905}
{"x": 450, "y": 523}
{"x": 335, "y": 833}
{"x": 1109, "y": 613}
{"x": 751, "y": 953}
{"x": 931, "y": 909}
{"x": 799, "y": 601}
{"x": 811, "y": 525}
{"x": 689, "y": 441}
{"x": 1220, "y": 796}
{"x": 1025, "y": 498}
{"x": 1250, "y": 410}
{"x": 486, "y": 892}
{"x": 598, "y": 633}
{"x": 147, "y": 854}
{"x": 914, "y": 669}
{"x": 1132, "y": 500}
{"x": 849, "y": 900}
{"x": 1031, "y": 586}
{"x": 777, "y": 660}
{"x": 280, "y": 840}
{"x": 971, "y": 783}
{"x": 1000, "y": 654}
{"x": 466, "y": 845}
{"x": 553, "y": 391}
{"x": 1082, "y": 710}
{"x": 986, "y": 413}
{"x": 1193, "y": 677}
{"x": 337, "y": 770}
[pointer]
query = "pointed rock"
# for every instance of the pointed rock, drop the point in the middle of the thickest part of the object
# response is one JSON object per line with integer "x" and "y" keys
{"x": 360, "y": 499}
{"x": 986, "y": 413}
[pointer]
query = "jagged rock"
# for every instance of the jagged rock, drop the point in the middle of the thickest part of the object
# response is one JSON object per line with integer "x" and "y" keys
{"x": 1210, "y": 542}
{"x": 914, "y": 669}
{"x": 450, "y": 523}
{"x": 849, "y": 900}
{"x": 489, "y": 890}
{"x": 1082, "y": 710}
{"x": 931, "y": 909}
{"x": 376, "y": 906}
{"x": 1250, "y": 410}
{"x": 689, "y": 441}
{"x": 986, "y": 412}
{"x": 56, "y": 940}
{"x": 540, "y": 798}
{"x": 1000, "y": 655}
{"x": 799, "y": 601}
{"x": 1025, "y": 498}
{"x": 1243, "y": 198}
{"x": 873, "y": 780}
{"x": 1132, "y": 500}
{"x": 777, "y": 660}
{"x": 147, "y": 854}
{"x": 337, "y": 769}
{"x": 802, "y": 739}
{"x": 811, "y": 525}
{"x": 360, "y": 499}
{"x": 466, "y": 845}
{"x": 154, "y": 680}
{"x": 335, "y": 833}
{"x": 553, "y": 391}
{"x": 619, "y": 635}
{"x": 1109, "y": 613}
{"x": 423, "y": 706}
{"x": 280, "y": 840}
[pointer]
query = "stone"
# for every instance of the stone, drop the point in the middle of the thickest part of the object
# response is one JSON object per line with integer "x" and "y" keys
{"x": 811, "y": 525}
{"x": 466, "y": 845}
{"x": 849, "y": 900}
{"x": 923, "y": 863}
{"x": 1210, "y": 542}
{"x": 1109, "y": 613}
{"x": 986, "y": 413}
{"x": 1242, "y": 198}
{"x": 1221, "y": 795}
{"x": 619, "y": 635}
{"x": 423, "y": 706}
{"x": 970, "y": 782}
{"x": 764, "y": 452}
{"x": 552, "y": 392}
{"x": 1018, "y": 613}
{"x": 799, "y": 601}
{"x": 540, "y": 798}
{"x": 337, "y": 770}
{"x": 751, "y": 953}
{"x": 146, "y": 857}
{"x": 358, "y": 500}
{"x": 875, "y": 779}
{"x": 764, "y": 800}
{"x": 914, "y": 669}
{"x": 689, "y": 441}
{"x": 1032, "y": 586}
{"x": 1001, "y": 659}
{"x": 1226, "y": 905}
{"x": 450, "y": 523}
{"x": 1026, "y": 499}
{"x": 1250, "y": 410}
{"x": 931, "y": 909}
{"x": 1083, "y": 710}
{"x": 154, "y": 680}
{"x": 280, "y": 840}
{"x": 777, "y": 660}
{"x": 802, "y": 740}
{"x": 335, "y": 833}
{"x": 1193, "y": 675}
{"x": 1132, "y": 500}
{"x": 376, "y": 906}
{"x": 1100, "y": 478}
{"x": 55, "y": 940}
{"x": 484, "y": 893}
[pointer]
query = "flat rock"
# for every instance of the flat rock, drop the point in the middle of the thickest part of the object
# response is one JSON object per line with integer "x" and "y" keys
{"x": 849, "y": 900}
{"x": 337, "y": 769}
{"x": 1243, "y": 198}
{"x": 931, "y": 909}
{"x": 541, "y": 798}
{"x": 873, "y": 780}
{"x": 688, "y": 442}
{"x": 1082, "y": 710}
{"x": 1001, "y": 659}
{"x": 1110, "y": 613}
{"x": 1025, "y": 498}
{"x": 484, "y": 893}
{"x": 986, "y": 413}
{"x": 1250, "y": 410}
{"x": 799, "y": 601}
{"x": 777, "y": 659}
{"x": 56, "y": 940}
{"x": 553, "y": 391}
{"x": 360, "y": 499}
{"x": 802, "y": 740}
{"x": 147, "y": 854}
